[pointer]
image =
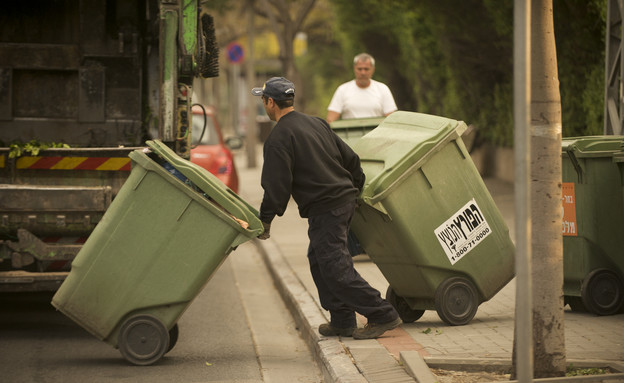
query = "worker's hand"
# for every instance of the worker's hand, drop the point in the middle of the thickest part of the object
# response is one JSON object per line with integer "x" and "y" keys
{"x": 267, "y": 231}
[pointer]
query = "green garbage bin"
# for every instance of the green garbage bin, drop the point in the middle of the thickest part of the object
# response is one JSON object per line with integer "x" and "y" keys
{"x": 153, "y": 251}
{"x": 351, "y": 130}
{"x": 618, "y": 159}
{"x": 428, "y": 221}
{"x": 593, "y": 220}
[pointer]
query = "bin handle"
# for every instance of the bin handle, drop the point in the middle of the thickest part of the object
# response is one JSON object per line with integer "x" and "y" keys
{"x": 576, "y": 165}
{"x": 373, "y": 200}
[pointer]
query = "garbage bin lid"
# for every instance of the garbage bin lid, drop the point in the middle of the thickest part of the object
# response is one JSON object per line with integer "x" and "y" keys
{"x": 399, "y": 145}
{"x": 352, "y": 123}
{"x": 592, "y": 146}
{"x": 211, "y": 186}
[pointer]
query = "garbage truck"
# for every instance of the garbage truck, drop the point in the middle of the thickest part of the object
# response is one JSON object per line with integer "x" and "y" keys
{"x": 82, "y": 84}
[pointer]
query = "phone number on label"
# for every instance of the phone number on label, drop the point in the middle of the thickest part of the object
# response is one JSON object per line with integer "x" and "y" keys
{"x": 474, "y": 242}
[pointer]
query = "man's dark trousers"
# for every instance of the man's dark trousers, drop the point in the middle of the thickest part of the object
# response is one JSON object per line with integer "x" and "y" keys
{"x": 341, "y": 289}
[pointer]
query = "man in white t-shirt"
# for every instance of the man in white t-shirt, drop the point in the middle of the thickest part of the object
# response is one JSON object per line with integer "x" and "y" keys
{"x": 362, "y": 97}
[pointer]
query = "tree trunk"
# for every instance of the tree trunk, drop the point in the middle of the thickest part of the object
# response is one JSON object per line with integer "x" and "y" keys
{"x": 547, "y": 245}
{"x": 290, "y": 18}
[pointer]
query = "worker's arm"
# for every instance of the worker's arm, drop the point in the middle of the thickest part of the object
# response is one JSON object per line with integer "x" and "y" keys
{"x": 332, "y": 116}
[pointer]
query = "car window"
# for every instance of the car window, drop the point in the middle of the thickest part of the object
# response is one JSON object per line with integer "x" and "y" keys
{"x": 210, "y": 135}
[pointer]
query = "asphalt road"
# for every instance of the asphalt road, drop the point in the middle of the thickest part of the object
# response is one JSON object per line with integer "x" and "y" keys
{"x": 236, "y": 330}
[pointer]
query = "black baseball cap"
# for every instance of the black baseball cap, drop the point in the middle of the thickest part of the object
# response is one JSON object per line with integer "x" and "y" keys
{"x": 278, "y": 88}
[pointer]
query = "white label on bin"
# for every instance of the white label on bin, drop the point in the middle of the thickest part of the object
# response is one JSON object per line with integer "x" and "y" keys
{"x": 464, "y": 231}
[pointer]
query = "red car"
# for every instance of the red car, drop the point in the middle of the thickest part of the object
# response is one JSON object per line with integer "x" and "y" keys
{"x": 212, "y": 152}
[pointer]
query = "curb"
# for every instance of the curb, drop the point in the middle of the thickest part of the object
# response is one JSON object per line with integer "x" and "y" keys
{"x": 416, "y": 367}
{"x": 336, "y": 362}
{"x": 329, "y": 353}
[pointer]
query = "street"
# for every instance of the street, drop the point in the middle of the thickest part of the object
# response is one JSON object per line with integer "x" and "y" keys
{"x": 236, "y": 330}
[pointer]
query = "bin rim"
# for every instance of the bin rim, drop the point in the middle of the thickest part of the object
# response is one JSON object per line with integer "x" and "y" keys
{"x": 592, "y": 146}
{"x": 209, "y": 184}
{"x": 356, "y": 122}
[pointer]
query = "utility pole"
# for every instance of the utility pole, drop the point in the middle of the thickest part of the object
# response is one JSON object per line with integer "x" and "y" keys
{"x": 523, "y": 338}
{"x": 252, "y": 126}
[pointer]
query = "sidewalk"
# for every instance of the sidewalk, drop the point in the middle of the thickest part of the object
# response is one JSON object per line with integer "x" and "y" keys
{"x": 398, "y": 355}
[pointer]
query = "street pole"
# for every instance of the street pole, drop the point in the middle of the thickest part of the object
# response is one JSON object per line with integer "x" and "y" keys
{"x": 252, "y": 126}
{"x": 522, "y": 124}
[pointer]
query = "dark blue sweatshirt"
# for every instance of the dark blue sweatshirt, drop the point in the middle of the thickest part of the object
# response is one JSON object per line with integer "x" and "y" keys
{"x": 303, "y": 157}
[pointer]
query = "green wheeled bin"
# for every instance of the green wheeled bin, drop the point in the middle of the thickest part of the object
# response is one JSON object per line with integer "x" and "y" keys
{"x": 351, "y": 130}
{"x": 155, "y": 248}
{"x": 618, "y": 159}
{"x": 428, "y": 221}
{"x": 593, "y": 224}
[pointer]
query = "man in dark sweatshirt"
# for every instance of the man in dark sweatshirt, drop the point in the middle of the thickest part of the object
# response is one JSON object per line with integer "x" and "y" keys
{"x": 304, "y": 158}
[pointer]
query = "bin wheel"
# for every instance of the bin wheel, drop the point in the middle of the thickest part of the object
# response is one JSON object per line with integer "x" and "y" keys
{"x": 576, "y": 304}
{"x": 602, "y": 292}
{"x": 143, "y": 340}
{"x": 456, "y": 301}
{"x": 173, "y": 337}
{"x": 406, "y": 313}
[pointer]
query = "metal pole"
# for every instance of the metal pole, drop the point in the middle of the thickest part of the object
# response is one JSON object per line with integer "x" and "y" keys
{"x": 168, "y": 74}
{"x": 522, "y": 124}
{"x": 252, "y": 126}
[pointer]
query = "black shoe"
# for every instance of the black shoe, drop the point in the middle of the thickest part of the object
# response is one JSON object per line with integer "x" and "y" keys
{"x": 327, "y": 329}
{"x": 374, "y": 330}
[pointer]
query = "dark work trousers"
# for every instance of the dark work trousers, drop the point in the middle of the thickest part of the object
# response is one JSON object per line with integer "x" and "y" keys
{"x": 341, "y": 289}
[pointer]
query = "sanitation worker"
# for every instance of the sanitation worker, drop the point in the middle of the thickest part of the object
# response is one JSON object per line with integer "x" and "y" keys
{"x": 304, "y": 158}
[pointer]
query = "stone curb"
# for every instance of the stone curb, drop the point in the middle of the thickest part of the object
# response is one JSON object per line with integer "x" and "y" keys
{"x": 329, "y": 353}
{"x": 416, "y": 367}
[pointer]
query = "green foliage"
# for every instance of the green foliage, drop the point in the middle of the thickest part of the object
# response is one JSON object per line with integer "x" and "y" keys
{"x": 498, "y": 120}
{"x": 477, "y": 54}
{"x": 446, "y": 57}
{"x": 322, "y": 66}
{"x": 387, "y": 31}
{"x": 32, "y": 147}
{"x": 592, "y": 102}
{"x": 575, "y": 371}
{"x": 456, "y": 59}
{"x": 579, "y": 34}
